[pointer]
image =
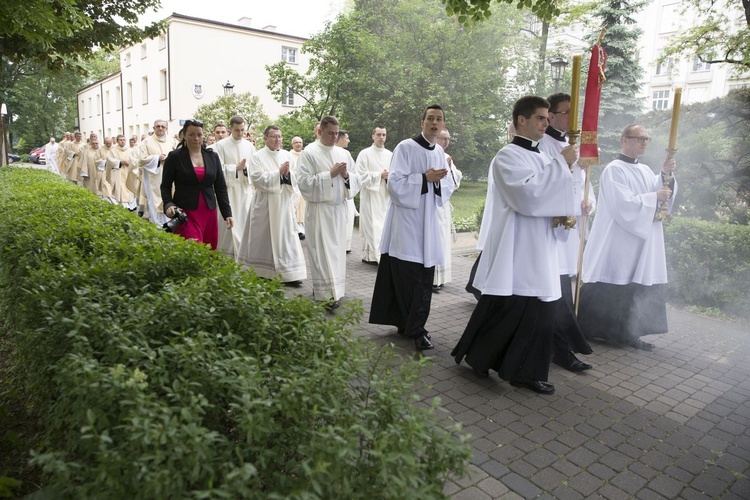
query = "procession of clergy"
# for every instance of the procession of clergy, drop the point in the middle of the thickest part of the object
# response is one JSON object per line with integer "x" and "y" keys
{"x": 524, "y": 318}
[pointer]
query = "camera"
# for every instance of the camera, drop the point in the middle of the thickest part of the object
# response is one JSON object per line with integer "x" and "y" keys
{"x": 177, "y": 221}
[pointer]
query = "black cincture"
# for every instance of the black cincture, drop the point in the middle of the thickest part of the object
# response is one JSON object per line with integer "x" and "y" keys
{"x": 524, "y": 143}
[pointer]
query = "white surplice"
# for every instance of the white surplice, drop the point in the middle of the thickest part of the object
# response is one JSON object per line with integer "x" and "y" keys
{"x": 411, "y": 232}
{"x": 151, "y": 169}
{"x": 626, "y": 244}
{"x": 270, "y": 243}
{"x": 519, "y": 246}
{"x": 569, "y": 246}
{"x": 326, "y": 215}
{"x": 443, "y": 272}
{"x": 373, "y": 198}
{"x": 240, "y": 191}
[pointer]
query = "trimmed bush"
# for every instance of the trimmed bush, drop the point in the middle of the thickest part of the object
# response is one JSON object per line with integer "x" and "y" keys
{"x": 709, "y": 264}
{"x": 161, "y": 369}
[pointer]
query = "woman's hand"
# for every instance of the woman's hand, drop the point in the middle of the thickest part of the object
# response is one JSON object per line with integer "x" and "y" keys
{"x": 230, "y": 222}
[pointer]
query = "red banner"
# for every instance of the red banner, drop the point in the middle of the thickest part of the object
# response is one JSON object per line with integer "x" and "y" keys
{"x": 589, "y": 150}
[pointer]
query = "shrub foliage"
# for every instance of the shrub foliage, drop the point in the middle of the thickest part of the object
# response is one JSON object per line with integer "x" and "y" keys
{"x": 162, "y": 370}
{"x": 709, "y": 264}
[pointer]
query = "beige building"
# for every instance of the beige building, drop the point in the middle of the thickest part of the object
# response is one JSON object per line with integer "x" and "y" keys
{"x": 194, "y": 62}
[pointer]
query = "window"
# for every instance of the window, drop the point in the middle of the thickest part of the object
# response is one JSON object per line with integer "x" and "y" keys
{"x": 144, "y": 90}
{"x": 118, "y": 99}
{"x": 288, "y": 98}
{"x": 106, "y": 102}
{"x": 289, "y": 55}
{"x": 162, "y": 42}
{"x": 663, "y": 66}
{"x": 699, "y": 65}
{"x": 98, "y": 105}
{"x": 129, "y": 94}
{"x": 83, "y": 108}
{"x": 143, "y": 51}
{"x": 127, "y": 59}
{"x": 660, "y": 99}
{"x": 163, "y": 84}
{"x": 91, "y": 109}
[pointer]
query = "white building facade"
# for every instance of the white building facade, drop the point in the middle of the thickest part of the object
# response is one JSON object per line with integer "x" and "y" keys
{"x": 168, "y": 77}
{"x": 661, "y": 21}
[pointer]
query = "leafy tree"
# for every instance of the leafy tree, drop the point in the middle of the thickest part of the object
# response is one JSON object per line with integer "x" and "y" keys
{"x": 619, "y": 103}
{"x": 722, "y": 34}
{"x": 470, "y": 12}
{"x": 60, "y": 34}
{"x": 44, "y": 100}
{"x": 244, "y": 104}
{"x": 387, "y": 60}
{"x": 713, "y": 156}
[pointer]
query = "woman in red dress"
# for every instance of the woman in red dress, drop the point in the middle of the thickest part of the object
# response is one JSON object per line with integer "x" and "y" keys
{"x": 199, "y": 186}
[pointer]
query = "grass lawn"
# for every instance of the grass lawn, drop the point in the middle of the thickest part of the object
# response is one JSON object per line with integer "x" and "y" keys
{"x": 468, "y": 199}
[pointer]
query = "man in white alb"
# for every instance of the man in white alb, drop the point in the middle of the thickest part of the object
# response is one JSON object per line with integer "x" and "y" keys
{"x": 270, "y": 244}
{"x": 518, "y": 274}
{"x": 372, "y": 168}
{"x": 150, "y": 156}
{"x": 326, "y": 185}
{"x": 235, "y": 153}
{"x": 298, "y": 201}
{"x": 50, "y": 154}
{"x": 418, "y": 182}
{"x": 351, "y": 209}
{"x": 624, "y": 264}
{"x": 443, "y": 272}
{"x": 568, "y": 338}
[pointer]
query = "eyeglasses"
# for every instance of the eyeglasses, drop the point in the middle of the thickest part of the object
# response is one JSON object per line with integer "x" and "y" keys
{"x": 192, "y": 121}
{"x": 560, "y": 112}
{"x": 641, "y": 139}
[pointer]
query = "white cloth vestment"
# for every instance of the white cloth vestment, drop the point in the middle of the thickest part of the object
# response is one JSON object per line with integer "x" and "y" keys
{"x": 231, "y": 152}
{"x": 373, "y": 199}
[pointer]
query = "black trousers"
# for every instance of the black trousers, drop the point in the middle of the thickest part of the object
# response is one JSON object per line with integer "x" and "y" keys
{"x": 402, "y": 295}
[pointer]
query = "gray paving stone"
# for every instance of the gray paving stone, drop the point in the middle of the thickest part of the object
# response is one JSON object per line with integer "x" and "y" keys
{"x": 522, "y": 486}
{"x": 585, "y": 483}
{"x": 628, "y": 481}
{"x": 494, "y": 468}
{"x": 666, "y": 486}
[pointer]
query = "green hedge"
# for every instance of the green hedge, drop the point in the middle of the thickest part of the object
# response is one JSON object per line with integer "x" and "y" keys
{"x": 709, "y": 264}
{"x": 162, "y": 370}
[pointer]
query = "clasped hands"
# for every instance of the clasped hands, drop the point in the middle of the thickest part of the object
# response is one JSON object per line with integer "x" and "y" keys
{"x": 435, "y": 175}
{"x": 339, "y": 169}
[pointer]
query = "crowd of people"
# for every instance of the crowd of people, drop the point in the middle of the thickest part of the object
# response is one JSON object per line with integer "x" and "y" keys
{"x": 257, "y": 205}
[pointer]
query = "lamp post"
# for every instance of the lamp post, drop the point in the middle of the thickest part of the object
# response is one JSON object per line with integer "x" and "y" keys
{"x": 228, "y": 88}
{"x": 558, "y": 70}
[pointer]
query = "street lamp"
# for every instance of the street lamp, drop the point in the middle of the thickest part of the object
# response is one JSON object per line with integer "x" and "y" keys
{"x": 228, "y": 88}
{"x": 558, "y": 70}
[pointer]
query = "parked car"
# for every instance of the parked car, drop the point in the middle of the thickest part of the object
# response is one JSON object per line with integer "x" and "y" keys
{"x": 13, "y": 158}
{"x": 36, "y": 155}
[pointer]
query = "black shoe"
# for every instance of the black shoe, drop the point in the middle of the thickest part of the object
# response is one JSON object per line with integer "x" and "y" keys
{"x": 301, "y": 236}
{"x": 639, "y": 344}
{"x": 371, "y": 262}
{"x": 293, "y": 284}
{"x": 535, "y": 385}
{"x": 573, "y": 364}
{"x": 402, "y": 332}
{"x": 481, "y": 373}
{"x": 436, "y": 288}
{"x": 423, "y": 343}
{"x": 332, "y": 304}
{"x": 348, "y": 251}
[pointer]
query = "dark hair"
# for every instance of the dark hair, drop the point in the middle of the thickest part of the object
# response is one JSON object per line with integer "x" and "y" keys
{"x": 432, "y": 106}
{"x": 556, "y": 99}
{"x": 236, "y": 120}
{"x": 328, "y": 120}
{"x": 183, "y": 130}
{"x": 220, "y": 124}
{"x": 270, "y": 127}
{"x": 526, "y": 106}
{"x": 376, "y": 129}
{"x": 342, "y": 133}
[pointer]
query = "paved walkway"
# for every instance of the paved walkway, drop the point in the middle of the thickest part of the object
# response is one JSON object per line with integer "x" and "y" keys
{"x": 671, "y": 423}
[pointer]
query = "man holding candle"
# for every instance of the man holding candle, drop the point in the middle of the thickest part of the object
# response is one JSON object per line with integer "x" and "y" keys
{"x": 568, "y": 338}
{"x": 518, "y": 275}
{"x": 624, "y": 264}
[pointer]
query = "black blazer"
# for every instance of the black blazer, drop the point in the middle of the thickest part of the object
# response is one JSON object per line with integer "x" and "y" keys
{"x": 178, "y": 170}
